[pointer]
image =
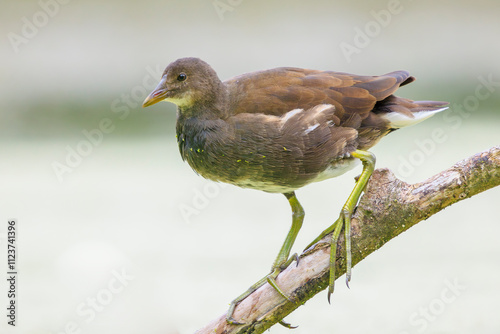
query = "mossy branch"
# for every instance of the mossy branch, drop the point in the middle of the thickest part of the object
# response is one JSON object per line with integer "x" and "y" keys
{"x": 388, "y": 207}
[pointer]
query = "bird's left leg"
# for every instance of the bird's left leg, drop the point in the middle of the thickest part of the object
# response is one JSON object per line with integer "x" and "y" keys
{"x": 344, "y": 220}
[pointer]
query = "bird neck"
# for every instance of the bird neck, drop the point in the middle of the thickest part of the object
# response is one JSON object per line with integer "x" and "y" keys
{"x": 210, "y": 105}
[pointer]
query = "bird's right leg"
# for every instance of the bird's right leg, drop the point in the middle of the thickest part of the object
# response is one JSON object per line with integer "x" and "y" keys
{"x": 282, "y": 260}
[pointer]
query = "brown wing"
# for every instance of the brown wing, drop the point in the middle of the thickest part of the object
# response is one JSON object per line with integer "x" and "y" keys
{"x": 279, "y": 153}
{"x": 277, "y": 91}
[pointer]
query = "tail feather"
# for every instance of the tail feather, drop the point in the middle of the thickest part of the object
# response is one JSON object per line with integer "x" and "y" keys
{"x": 401, "y": 112}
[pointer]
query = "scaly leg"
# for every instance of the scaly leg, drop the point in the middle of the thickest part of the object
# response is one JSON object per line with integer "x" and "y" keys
{"x": 344, "y": 219}
{"x": 282, "y": 260}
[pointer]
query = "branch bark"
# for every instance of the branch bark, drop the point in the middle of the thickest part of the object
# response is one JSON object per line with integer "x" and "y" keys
{"x": 388, "y": 207}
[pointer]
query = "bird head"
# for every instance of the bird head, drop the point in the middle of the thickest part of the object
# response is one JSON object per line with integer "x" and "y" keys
{"x": 186, "y": 82}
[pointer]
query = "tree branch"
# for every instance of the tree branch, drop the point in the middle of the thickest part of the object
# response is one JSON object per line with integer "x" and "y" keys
{"x": 388, "y": 207}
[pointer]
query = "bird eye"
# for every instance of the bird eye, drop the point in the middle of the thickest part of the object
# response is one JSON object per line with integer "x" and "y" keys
{"x": 182, "y": 77}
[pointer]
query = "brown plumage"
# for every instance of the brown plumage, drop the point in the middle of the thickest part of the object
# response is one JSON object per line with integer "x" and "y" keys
{"x": 281, "y": 129}
{"x": 244, "y": 131}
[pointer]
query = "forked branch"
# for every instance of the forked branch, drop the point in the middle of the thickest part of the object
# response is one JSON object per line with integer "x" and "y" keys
{"x": 388, "y": 207}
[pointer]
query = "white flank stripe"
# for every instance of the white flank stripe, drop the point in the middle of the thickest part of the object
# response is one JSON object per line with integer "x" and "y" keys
{"x": 290, "y": 114}
{"x": 311, "y": 128}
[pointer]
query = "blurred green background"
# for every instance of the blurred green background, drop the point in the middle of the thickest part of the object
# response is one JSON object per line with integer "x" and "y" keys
{"x": 118, "y": 235}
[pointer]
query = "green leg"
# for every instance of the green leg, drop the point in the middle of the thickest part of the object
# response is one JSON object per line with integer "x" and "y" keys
{"x": 344, "y": 219}
{"x": 282, "y": 260}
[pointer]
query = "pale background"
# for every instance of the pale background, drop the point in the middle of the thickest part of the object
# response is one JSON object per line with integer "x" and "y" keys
{"x": 120, "y": 207}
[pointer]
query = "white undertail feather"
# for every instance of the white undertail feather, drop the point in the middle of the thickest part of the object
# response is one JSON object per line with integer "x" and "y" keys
{"x": 398, "y": 120}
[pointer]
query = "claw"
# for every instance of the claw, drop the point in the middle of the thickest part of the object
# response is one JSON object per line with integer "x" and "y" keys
{"x": 232, "y": 321}
{"x": 272, "y": 281}
{"x": 287, "y": 325}
{"x": 344, "y": 220}
{"x": 229, "y": 316}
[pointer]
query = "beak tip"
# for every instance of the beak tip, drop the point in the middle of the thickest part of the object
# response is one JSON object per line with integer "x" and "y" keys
{"x": 157, "y": 95}
{"x": 153, "y": 98}
{"x": 150, "y": 100}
